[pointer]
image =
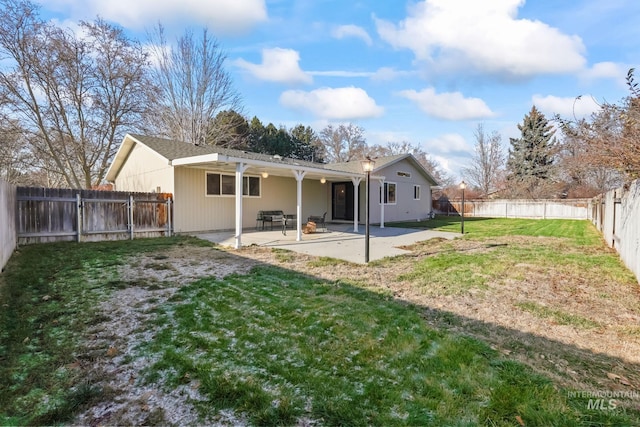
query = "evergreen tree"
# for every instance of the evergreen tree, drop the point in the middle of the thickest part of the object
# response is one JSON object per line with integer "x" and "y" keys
{"x": 307, "y": 145}
{"x": 228, "y": 129}
{"x": 531, "y": 156}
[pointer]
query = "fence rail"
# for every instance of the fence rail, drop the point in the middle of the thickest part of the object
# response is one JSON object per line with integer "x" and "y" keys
{"x": 51, "y": 214}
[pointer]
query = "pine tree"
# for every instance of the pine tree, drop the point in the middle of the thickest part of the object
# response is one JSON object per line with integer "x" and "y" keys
{"x": 531, "y": 156}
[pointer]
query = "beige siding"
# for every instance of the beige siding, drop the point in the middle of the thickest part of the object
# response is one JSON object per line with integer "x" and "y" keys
{"x": 194, "y": 211}
{"x": 316, "y": 199}
{"x": 145, "y": 171}
{"x": 406, "y": 208}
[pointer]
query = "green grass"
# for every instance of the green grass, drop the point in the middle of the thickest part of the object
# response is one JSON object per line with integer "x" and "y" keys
{"x": 49, "y": 295}
{"x": 559, "y": 316}
{"x": 276, "y": 347}
{"x": 577, "y": 231}
{"x": 575, "y": 247}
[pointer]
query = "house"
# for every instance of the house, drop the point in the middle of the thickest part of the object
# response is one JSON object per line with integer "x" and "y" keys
{"x": 207, "y": 182}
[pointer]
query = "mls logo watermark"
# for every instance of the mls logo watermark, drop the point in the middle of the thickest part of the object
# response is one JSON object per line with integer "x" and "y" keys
{"x": 602, "y": 404}
{"x": 603, "y": 400}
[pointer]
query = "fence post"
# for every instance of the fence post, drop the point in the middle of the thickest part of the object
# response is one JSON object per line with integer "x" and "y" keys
{"x": 130, "y": 217}
{"x": 169, "y": 225}
{"x": 78, "y": 217}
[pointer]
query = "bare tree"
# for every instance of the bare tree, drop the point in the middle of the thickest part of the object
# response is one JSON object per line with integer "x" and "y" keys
{"x": 14, "y": 154}
{"x": 71, "y": 93}
{"x": 604, "y": 150}
{"x": 583, "y": 174}
{"x": 343, "y": 143}
{"x": 193, "y": 87}
{"x": 487, "y": 162}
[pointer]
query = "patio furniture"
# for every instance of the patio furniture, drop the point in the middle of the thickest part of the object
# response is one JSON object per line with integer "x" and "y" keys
{"x": 319, "y": 220}
{"x": 271, "y": 217}
{"x": 290, "y": 221}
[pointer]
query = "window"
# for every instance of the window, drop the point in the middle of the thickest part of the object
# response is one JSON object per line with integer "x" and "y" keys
{"x": 389, "y": 192}
{"x": 218, "y": 184}
{"x": 213, "y": 184}
{"x": 403, "y": 174}
{"x": 416, "y": 192}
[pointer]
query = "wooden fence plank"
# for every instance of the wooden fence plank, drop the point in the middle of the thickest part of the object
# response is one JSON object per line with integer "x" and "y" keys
{"x": 45, "y": 214}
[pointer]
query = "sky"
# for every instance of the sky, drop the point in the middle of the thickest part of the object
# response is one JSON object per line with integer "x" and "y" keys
{"x": 426, "y": 72}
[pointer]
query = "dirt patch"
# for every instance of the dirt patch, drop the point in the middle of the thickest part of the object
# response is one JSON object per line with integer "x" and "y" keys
{"x": 148, "y": 281}
{"x": 595, "y": 346}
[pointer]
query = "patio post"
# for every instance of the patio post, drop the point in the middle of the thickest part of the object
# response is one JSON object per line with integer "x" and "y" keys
{"x": 240, "y": 169}
{"x": 381, "y": 180}
{"x": 299, "y": 176}
{"x": 356, "y": 185}
{"x": 367, "y": 166}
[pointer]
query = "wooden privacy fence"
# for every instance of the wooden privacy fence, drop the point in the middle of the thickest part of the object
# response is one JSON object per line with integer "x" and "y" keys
{"x": 53, "y": 214}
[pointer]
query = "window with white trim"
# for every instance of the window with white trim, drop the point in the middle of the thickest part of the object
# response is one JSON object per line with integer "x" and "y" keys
{"x": 219, "y": 184}
{"x": 388, "y": 191}
{"x": 403, "y": 174}
{"x": 416, "y": 192}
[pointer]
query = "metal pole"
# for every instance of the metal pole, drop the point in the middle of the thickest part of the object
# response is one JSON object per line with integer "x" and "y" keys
{"x": 366, "y": 229}
{"x": 462, "y": 223}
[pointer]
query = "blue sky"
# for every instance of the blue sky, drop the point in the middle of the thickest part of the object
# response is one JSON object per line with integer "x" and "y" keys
{"x": 426, "y": 72}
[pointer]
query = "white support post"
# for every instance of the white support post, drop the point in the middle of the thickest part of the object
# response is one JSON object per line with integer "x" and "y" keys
{"x": 299, "y": 177}
{"x": 381, "y": 180}
{"x": 240, "y": 169}
{"x": 356, "y": 186}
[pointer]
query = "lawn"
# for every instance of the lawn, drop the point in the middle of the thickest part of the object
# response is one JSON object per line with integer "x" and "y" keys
{"x": 291, "y": 339}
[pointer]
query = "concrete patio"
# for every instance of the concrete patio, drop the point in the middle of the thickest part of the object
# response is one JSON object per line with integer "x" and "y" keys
{"x": 339, "y": 241}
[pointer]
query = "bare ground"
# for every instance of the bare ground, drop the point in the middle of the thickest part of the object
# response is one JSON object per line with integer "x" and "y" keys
{"x": 603, "y": 355}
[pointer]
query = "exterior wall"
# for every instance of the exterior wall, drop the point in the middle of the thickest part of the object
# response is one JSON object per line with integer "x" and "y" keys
{"x": 145, "y": 171}
{"x": 8, "y": 233}
{"x": 406, "y": 208}
{"x": 194, "y": 211}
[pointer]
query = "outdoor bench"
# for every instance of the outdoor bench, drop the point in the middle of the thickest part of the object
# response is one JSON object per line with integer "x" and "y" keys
{"x": 270, "y": 216}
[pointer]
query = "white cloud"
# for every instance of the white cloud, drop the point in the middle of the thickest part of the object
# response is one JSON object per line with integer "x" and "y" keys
{"x": 345, "y": 103}
{"x": 278, "y": 65}
{"x": 222, "y": 16}
{"x": 352, "y": 31}
{"x": 568, "y": 107}
{"x": 448, "y": 105}
{"x": 389, "y": 73}
{"x": 606, "y": 70}
{"x": 484, "y": 35}
{"x": 342, "y": 73}
{"x": 447, "y": 143}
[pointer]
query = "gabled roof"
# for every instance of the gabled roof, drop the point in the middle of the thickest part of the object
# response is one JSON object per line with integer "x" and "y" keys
{"x": 383, "y": 162}
{"x": 182, "y": 153}
{"x": 172, "y": 150}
